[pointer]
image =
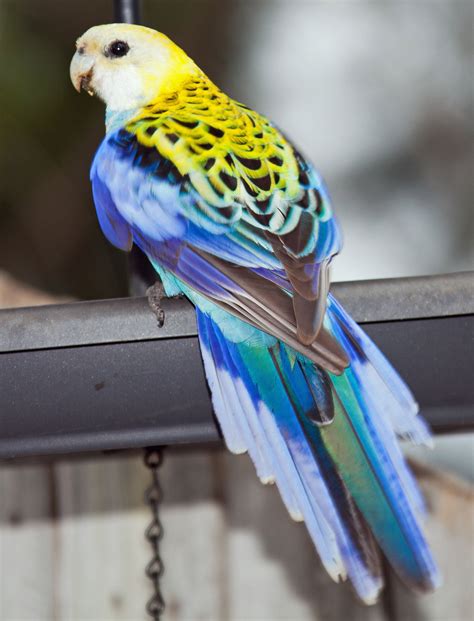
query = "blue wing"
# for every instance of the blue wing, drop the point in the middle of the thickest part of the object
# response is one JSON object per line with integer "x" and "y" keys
{"x": 273, "y": 277}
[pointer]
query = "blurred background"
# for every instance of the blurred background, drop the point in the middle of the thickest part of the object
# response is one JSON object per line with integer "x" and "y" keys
{"x": 380, "y": 95}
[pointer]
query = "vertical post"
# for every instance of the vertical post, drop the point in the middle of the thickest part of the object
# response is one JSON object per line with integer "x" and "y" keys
{"x": 141, "y": 274}
{"x": 127, "y": 11}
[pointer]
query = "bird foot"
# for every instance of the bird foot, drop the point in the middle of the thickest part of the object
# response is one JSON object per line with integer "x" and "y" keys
{"x": 155, "y": 294}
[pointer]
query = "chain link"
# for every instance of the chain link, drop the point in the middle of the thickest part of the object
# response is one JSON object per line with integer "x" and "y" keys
{"x": 153, "y": 496}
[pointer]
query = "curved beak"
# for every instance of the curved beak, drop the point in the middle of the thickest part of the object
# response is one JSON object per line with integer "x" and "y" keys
{"x": 81, "y": 72}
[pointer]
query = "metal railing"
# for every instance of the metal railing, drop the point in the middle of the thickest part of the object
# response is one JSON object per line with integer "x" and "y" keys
{"x": 102, "y": 375}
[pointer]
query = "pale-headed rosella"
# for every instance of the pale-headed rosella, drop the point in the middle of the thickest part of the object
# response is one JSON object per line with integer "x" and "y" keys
{"x": 234, "y": 217}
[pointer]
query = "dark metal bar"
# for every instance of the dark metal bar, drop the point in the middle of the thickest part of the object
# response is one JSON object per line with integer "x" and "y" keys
{"x": 92, "y": 323}
{"x": 101, "y": 375}
{"x": 129, "y": 319}
{"x": 418, "y": 297}
{"x": 127, "y": 11}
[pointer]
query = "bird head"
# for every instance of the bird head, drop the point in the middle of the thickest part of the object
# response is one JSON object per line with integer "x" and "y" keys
{"x": 128, "y": 66}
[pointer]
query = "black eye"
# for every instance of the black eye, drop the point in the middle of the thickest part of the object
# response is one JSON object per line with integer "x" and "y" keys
{"x": 118, "y": 49}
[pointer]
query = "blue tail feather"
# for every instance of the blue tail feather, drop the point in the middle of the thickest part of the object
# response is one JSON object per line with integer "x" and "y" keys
{"x": 329, "y": 442}
{"x": 381, "y": 407}
{"x": 285, "y": 472}
{"x": 400, "y": 406}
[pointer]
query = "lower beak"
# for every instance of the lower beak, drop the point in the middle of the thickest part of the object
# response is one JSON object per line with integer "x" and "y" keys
{"x": 82, "y": 72}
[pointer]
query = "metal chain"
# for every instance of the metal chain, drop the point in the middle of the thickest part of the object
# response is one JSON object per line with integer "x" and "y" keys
{"x": 154, "y": 570}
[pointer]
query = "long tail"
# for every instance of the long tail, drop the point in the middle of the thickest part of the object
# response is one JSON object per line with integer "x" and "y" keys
{"x": 329, "y": 443}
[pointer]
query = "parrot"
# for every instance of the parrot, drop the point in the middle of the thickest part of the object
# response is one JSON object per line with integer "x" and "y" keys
{"x": 233, "y": 216}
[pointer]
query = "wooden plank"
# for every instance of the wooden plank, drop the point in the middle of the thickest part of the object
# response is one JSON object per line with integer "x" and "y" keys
{"x": 230, "y": 550}
{"x": 102, "y": 551}
{"x": 27, "y": 547}
{"x": 194, "y": 547}
{"x": 450, "y": 530}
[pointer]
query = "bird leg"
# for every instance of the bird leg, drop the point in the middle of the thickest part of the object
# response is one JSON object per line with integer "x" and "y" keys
{"x": 155, "y": 294}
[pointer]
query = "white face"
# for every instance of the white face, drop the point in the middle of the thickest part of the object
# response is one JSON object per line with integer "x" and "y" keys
{"x": 124, "y": 65}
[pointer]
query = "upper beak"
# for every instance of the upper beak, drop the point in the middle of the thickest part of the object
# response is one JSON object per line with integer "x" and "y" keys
{"x": 81, "y": 72}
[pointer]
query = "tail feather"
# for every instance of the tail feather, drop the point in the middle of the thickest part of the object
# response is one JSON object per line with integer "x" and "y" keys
{"x": 284, "y": 471}
{"x": 382, "y": 409}
{"x": 329, "y": 443}
{"x": 355, "y": 539}
{"x": 236, "y": 441}
{"x": 376, "y": 488}
{"x": 231, "y": 428}
{"x": 399, "y": 404}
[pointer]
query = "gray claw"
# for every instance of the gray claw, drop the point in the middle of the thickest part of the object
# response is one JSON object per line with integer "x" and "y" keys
{"x": 155, "y": 294}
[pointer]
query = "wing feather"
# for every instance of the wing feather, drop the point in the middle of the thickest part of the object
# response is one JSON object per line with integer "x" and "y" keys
{"x": 209, "y": 173}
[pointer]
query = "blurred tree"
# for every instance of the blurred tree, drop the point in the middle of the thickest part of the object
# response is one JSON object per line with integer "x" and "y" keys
{"x": 48, "y": 135}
